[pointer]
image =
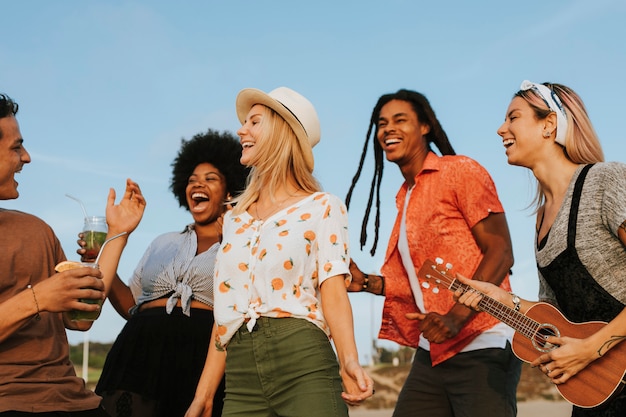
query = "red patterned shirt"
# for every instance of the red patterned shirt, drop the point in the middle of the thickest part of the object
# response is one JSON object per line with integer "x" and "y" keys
{"x": 451, "y": 195}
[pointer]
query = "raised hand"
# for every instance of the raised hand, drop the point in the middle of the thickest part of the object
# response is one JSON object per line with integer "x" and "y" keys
{"x": 125, "y": 216}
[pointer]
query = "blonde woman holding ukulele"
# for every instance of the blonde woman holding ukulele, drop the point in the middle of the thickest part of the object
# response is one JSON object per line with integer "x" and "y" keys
{"x": 580, "y": 244}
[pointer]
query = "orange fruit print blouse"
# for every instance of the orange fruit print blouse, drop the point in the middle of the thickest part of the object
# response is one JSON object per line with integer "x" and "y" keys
{"x": 274, "y": 267}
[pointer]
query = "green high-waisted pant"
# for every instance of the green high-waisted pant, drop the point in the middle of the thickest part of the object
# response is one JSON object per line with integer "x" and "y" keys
{"x": 285, "y": 367}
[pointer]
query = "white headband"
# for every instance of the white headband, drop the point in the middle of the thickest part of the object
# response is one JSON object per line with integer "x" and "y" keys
{"x": 554, "y": 103}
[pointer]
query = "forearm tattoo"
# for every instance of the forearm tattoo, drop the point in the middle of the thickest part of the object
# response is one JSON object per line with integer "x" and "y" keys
{"x": 609, "y": 344}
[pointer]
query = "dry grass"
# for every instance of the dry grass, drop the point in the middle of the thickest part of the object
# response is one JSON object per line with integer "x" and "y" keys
{"x": 388, "y": 381}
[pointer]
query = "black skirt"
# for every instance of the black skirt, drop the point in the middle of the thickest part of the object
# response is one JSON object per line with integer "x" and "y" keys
{"x": 156, "y": 362}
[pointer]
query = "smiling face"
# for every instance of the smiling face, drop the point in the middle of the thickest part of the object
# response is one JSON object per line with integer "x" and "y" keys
{"x": 250, "y": 133}
{"x": 13, "y": 156}
{"x": 206, "y": 192}
{"x": 401, "y": 134}
{"x": 522, "y": 133}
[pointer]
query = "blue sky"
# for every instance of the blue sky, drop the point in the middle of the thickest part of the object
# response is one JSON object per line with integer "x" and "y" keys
{"x": 108, "y": 89}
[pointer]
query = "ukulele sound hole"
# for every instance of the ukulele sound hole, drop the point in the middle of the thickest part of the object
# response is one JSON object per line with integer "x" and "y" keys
{"x": 539, "y": 340}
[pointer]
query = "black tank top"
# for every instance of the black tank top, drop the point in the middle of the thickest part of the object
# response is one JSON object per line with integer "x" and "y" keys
{"x": 579, "y": 296}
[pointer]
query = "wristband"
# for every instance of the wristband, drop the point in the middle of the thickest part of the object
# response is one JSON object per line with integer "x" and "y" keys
{"x": 37, "y": 315}
{"x": 366, "y": 282}
{"x": 516, "y": 301}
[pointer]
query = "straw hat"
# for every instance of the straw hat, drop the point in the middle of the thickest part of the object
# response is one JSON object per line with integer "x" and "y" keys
{"x": 297, "y": 111}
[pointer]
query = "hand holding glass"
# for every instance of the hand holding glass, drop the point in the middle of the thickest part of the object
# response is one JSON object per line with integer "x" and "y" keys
{"x": 79, "y": 315}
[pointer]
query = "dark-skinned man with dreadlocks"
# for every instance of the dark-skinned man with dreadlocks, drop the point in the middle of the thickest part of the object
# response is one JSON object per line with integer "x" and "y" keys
{"x": 448, "y": 208}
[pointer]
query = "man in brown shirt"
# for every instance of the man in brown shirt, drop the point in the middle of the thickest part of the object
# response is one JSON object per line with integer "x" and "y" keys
{"x": 36, "y": 375}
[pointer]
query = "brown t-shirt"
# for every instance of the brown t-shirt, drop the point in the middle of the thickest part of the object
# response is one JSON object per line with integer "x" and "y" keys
{"x": 36, "y": 374}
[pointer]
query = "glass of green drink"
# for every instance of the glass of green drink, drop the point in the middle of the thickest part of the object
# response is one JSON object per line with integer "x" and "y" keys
{"x": 94, "y": 235}
{"x": 79, "y": 315}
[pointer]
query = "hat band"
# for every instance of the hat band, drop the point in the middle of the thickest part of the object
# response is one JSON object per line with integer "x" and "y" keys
{"x": 296, "y": 117}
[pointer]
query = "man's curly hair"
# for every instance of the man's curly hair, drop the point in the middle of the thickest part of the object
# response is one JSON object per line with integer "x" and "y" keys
{"x": 7, "y": 108}
{"x": 222, "y": 150}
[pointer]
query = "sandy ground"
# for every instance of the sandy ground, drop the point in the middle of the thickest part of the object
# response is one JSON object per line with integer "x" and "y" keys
{"x": 524, "y": 409}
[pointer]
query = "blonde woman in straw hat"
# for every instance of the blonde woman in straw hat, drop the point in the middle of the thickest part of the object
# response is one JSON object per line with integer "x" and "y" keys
{"x": 281, "y": 277}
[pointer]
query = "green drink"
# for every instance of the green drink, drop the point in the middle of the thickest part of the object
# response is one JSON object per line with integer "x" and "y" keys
{"x": 93, "y": 242}
{"x": 94, "y": 235}
{"x": 79, "y": 315}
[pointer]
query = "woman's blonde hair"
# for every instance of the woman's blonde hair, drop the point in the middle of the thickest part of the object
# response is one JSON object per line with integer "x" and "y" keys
{"x": 582, "y": 145}
{"x": 279, "y": 162}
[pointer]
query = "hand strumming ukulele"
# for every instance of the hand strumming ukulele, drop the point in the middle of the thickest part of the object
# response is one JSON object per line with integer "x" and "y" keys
{"x": 592, "y": 386}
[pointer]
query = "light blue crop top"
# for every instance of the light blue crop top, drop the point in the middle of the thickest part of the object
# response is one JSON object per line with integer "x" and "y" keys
{"x": 170, "y": 265}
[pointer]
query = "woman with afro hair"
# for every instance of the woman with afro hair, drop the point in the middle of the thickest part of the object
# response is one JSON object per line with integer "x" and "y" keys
{"x": 155, "y": 363}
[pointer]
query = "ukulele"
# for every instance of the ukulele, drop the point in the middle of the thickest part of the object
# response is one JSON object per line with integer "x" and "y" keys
{"x": 591, "y": 386}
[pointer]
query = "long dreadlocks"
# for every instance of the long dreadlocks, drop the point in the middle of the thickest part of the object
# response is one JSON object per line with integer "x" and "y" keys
{"x": 437, "y": 135}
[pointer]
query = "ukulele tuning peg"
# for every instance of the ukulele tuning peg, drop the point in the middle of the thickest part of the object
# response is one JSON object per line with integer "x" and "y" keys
{"x": 436, "y": 290}
{"x": 425, "y": 285}
{"x": 448, "y": 266}
{"x": 438, "y": 261}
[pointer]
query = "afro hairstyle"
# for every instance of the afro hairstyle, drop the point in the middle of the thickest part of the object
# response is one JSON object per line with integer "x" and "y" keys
{"x": 222, "y": 150}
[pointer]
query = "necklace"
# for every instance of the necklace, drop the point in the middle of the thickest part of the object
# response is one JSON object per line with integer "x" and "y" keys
{"x": 273, "y": 209}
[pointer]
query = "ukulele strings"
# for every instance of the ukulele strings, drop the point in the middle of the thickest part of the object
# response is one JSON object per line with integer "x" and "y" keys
{"x": 518, "y": 321}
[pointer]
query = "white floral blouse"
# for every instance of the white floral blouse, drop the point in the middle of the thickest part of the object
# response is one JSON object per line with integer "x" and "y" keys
{"x": 274, "y": 267}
